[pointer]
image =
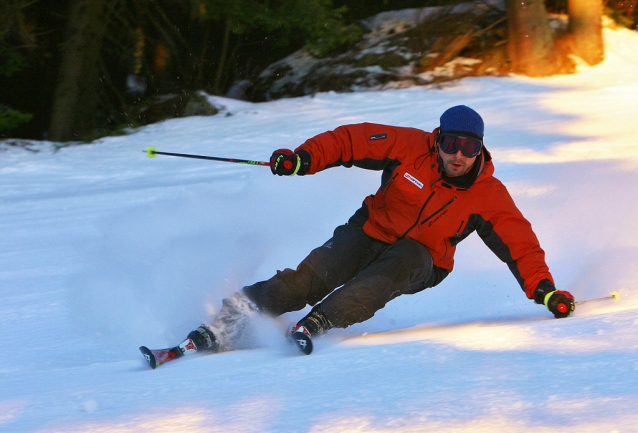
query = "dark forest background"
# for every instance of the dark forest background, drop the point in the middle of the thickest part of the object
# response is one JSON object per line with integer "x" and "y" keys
{"x": 142, "y": 48}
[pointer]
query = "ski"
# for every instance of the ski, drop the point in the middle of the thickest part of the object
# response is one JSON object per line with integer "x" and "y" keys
{"x": 157, "y": 357}
{"x": 300, "y": 337}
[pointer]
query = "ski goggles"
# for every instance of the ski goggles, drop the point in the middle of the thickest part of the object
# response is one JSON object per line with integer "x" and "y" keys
{"x": 451, "y": 143}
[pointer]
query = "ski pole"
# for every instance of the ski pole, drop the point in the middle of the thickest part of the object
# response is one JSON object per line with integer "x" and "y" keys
{"x": 151, "y": 152}
{"x": 613, "y": 295}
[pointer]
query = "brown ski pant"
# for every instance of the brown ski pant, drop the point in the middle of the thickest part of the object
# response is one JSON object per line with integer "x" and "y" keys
{"x": 351, "y": 274}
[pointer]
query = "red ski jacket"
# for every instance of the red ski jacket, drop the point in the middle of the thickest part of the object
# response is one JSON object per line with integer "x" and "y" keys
{"x": 415, "y": 201}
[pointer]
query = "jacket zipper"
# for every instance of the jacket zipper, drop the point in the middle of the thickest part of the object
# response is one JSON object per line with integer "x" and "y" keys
{"x": 419, "y": 217}
{"x": 438, "y": 211}
{"x": 387, "y": 185}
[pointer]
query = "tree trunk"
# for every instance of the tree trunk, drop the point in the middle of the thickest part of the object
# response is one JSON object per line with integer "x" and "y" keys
{"x": 586, "y": 29}
{"x": 76, "y": 94}
{"x": 530, "y": 39}
{"x": 222, "y": 59}
{"x": 202, "y": 56}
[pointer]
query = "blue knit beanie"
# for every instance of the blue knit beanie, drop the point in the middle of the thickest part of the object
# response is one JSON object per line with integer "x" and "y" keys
{"x": 462, "y": 119}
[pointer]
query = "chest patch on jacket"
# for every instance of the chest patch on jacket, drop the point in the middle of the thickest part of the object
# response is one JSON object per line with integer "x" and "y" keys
{"x": 414, "y": 180}
{"x": 378, "y": 137}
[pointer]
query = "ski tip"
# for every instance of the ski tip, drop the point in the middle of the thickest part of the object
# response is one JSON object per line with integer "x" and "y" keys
{"x": 150, "y": 358}
{"x": 615, "y": 296}
{"x": 151, "y": 154}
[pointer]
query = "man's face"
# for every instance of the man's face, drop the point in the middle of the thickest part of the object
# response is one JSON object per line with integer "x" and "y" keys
{"x": 456, "y": 164}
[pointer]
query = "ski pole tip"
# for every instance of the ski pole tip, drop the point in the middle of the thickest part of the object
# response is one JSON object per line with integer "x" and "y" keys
{"x": 615, "y": 296}
{"x": 151, "y": 152}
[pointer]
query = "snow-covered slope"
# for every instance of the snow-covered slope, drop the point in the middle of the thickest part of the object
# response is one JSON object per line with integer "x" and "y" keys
{"x": 103, "y": 249}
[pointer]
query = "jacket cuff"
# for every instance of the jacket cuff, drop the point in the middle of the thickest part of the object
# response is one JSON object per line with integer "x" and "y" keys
{"x": 304, "y": 156}
{"x": 543, "y": 288}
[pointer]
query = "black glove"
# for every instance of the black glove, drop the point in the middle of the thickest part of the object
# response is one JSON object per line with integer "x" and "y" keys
{"x": 559, "y": 302}
{"x": 285, "y": 162}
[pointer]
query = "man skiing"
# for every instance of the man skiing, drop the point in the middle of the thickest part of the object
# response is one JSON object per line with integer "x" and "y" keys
{"x": 436, "y": 189}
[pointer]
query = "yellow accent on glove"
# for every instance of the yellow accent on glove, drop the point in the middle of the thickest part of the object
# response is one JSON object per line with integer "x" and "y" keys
{"x": 547, "y": 296}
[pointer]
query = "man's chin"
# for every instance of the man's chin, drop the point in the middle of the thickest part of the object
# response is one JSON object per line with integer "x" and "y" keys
{"x": 454, "y": 172}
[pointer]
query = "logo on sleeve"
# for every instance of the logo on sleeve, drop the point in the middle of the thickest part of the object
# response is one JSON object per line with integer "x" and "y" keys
{"x": 378, "y": 137}
{"x": 414, "y": 180}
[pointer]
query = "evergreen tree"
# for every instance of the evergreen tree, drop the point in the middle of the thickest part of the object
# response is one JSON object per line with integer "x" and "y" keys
{"x": 16, "y": 39}
{"x": 315, "y": 21}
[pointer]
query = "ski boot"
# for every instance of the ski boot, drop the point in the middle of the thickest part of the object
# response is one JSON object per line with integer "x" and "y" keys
{"x": 201, "y": 339}
{"x": 314, "y": 324}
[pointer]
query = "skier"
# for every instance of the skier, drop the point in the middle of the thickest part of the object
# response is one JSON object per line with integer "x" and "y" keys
{"x": 436, "y": 189}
